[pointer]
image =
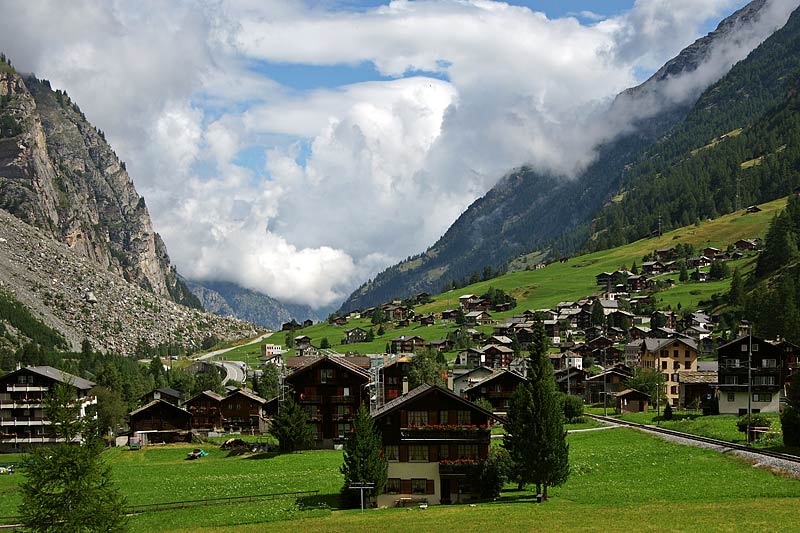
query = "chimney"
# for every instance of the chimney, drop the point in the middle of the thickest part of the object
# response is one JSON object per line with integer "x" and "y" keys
{"x": 405, "y": 384}
{"x": 450, "y": 384}
{"x": 19, "y": 365}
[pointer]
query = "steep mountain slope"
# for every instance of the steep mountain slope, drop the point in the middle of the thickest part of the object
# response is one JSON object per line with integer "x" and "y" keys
{"x": 83, "y": 300}
{"x": 229, "y": 299}
{"x": 58, "y": 173}
{"x": 527, "y": 210}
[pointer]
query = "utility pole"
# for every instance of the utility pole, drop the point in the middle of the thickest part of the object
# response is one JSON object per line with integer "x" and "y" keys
{"x": 749, "y": 376}
{"x": 605, "y": 384}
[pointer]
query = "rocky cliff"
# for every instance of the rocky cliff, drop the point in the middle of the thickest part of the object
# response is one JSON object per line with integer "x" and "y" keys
{"x": 82, "y": 299}
{"x": 59, "y": 174}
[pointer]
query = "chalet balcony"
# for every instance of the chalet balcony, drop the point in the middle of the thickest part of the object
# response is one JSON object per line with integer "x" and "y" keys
{"x": 457, "y": 468}
{"x": 307, "y": 398}
{"x": 26, "y": 388}
{"x": 454, "y": 433}
{"x": 21, "y": 404}
{"x": 500, "y": 394}
{"x": 26, "y": 421}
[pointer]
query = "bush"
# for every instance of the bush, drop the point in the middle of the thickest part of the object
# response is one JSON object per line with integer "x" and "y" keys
{"x": 493, "y": 473}
{"x": 790, "y": 423}
{"x": 756, "y": 421}
{"x": 668, "y": 412}
{"x": 573, "y": 407}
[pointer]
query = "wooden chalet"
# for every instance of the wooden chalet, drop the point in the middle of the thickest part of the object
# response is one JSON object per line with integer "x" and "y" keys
{"x": 330, "y": 389}
{"x": 477, "y": 318}
{"x": 244, "y": 411}
{"x": 165, "y": 393}
{"x": 497, "y": 389}
{"x": 354, "y": 335}
{"x": 631, "y": 401}
{"x": 161, "y": 421}
{"x": 434, "y": 442}
{"x": 204, "y": 408}
{"x": 407, "y": 344}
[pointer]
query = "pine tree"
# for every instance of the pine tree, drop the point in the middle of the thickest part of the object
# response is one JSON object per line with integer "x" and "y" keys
{"x": 363, "y": 461}
{"x": 736, "y": 293}
{"x": 790, "y": 418}
{"x": 291, "y": 427}
{"x": 68, "y": 487}
{"x": 517, "y": 440}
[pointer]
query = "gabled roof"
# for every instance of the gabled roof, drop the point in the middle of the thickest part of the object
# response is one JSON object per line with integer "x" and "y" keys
{"x": 473, "y": 370}
{"x": 494, "y": 376}
{"x": 209, "y": 393}
{"x": 652, "y": 345}
{"x": 424, "y": 390}
{"x": 246, "y": 393}
{"x": 631, "y": 392}
{"x": 165, "y": 403}
{"x": 339, "y": 361}
{"x": 498, "y": 347}
{"x": 169, "y": 392}
{"x": 699, "y": 377}
{"x": 57, "y": 375}
{"x": 403, "y": 338}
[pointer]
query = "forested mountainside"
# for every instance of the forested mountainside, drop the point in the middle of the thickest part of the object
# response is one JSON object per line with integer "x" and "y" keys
{"x": 738, "y": 146}
{"x": 528, "y": 211}
{"x": 229, "y": 299}
{"x": 58, "y": 173}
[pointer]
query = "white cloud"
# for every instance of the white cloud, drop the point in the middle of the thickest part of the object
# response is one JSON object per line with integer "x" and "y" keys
{"x": 358, "y": 176}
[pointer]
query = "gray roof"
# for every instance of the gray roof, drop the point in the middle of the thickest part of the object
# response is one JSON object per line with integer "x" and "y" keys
{"x": 423, "y": 390}
{"x": 58, "y": 375}
{"x": 154, "y": 402}
{"x": 492, "y": 377}
{"x": 652, "y": 345}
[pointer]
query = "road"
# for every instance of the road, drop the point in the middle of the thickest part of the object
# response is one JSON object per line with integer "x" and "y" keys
{"x": 234, "y": 370}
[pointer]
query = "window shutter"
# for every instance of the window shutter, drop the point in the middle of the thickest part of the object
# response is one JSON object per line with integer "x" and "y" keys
{"x": 404, "y": 454}
{"x": 483, "y": 452}
{"x": 432, "y": 416}
{"x": 453, "y": 418}
{"x": 433, "y": 454}
{"x": 429, "y": 487}
{"x": 403, "y": 419}
{"x": 405, "y": 486}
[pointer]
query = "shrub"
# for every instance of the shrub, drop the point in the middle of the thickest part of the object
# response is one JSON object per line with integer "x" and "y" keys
{"x": 756, "y": 421}
{"x": 573, "y": 407}
{"x": 668, "y": 412}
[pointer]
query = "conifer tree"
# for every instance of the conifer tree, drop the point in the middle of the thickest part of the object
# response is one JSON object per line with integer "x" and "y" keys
{"x": 363, "y": 461}
{"x": 736, "y": 293}
{"x": 291, "y": 427}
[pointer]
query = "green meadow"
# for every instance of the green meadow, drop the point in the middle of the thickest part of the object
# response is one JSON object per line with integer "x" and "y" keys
{"x": 620, "y": 479}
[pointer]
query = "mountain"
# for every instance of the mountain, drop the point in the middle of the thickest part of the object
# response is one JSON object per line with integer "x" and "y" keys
{"x": 58, "y": 173}
{"x": 528, "y": 210}
{"x": 229, "y": 299}
{"x": 81, "y": 299}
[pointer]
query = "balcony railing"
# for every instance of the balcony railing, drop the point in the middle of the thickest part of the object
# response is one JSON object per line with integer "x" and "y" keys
{"x": 457, "y": 468}
{"x": 21, "y": 404}
{"x": 26, "y": 388}
{"x": 445, "y": 433}
{"x": 343, "y": 399}
{"x": 26, "y": 421}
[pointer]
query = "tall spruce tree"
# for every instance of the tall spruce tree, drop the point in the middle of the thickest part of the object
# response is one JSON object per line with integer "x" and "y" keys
{"x": 291, "y": 427}
{"x": 536, "y": 439}
{"x": 68, "y": 487}
{"x": 363, "y": 462}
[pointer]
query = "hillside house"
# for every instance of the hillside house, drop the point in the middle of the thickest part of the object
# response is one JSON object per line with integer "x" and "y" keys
{"x": 330, "y": 389}
{"x": 652, "y": 268}
{"x": 474, "y": 318}
{"x": 463, "y": 379}
{"x": 698, "y": 390}
{"x": 770, "y": 371}
{"x": 433, "y": 441}
{"x": 161, "y": 421}
{"x": 165, "y": 393}
{"x": 747, "y": 244}
{"x": 631, "y": 401}
{"x": 671, "y": 357}
{"x": 495, "y": 356}
{"x": 354, "y": 335}
{"x": 449, "y": 315}
{"x": 496, "y": 388}
{"x": 571, "y": 381}
{"x": 23, "y": 420}
{"x": 606, "y": 384}
{"x": 407, "y": 344}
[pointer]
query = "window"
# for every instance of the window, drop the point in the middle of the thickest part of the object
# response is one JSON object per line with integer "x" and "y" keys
{"x": 464, "y": 418}
{"x": 311, "y": 411}
{"x": 663, "y": 365}
{"x": 768, "y": 363}
{"x": 346, "y": 391}
{"x": 21, "y": 380}
{"x": 675, "y": 378}
{"x": 326, "y": 375}
{"x": 391, "y": 452}
{"x": 467, "y": 451}
{"x": 676, "y": 365}
{"x": 418, "y": 453}
{"x": 342, "y": 411}
{"x": 343, "y": 429}
{"x": 444, "y": 417}
{"x": 418, "y": 486}
{"x": 730, "y": 380}
{"x": 417, "y": 418}
{"x": 393, "y": 485}
{"x": 755, "y": 347}
{"x": 675, "y": 354}
{"x": 444, "y": 451}
{"x": 687, "y": 353}
{"x": 731, "y": 397}
{"x": 762, "y": 397}
{"x": 673, "y": 389}
{"x": 763, "y": 380}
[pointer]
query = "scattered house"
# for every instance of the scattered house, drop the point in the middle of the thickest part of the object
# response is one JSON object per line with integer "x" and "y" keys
{"x": 637, "y": 283}
{"x": 477, "y": 318}
{"x": 161, "y": 421}
{"x": 496, "y": 388}
{"x": 633, "y": 351}
{"x": 396, "y": 312}
{"x": 639, "y": 332}
{"x": 567, "y": 359}
{"x": 270, "y": 350}
{"x": 407, "y": 344}
{"x": 449, "y": 314}
{"x": 632, "y": 401}
{"x": 168, "y": 395}
{"x": 330, "y": 389}
{"x": 307, "y": 323}
{"x": 290, "y": 326}
{"x": 571, "y": 381}
{"x": 710, "y": 251}
{"x": 553, "y": 330}
{"x": 753, "y": 209}
{"x": 495, "y": 356}
{"x": 608, "y": 382}
{"x": 747, "y": 244}
{"x": 204, "y": 408}
{"x": 697, "y": 275}
{"x": 404, "y": 323}
{"x": 698, "y": 262}
{"x": 440, "y": 345}
{"x": 340, "y": 321}
{"x": 665, "y": 254}
{"x": 671, "y": 357}
{"x": 770, "y": 371}
{"x": 465, "y": 299}
{"x": 23, "y": 419}
{"x": 433, "y": 441}
{"x": 426, "y": 320}
{"x": 354, "y": 335}
{"x": 651, "y": 268}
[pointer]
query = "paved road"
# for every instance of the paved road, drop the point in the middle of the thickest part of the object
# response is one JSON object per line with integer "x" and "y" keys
{"x": 234, "y": 370}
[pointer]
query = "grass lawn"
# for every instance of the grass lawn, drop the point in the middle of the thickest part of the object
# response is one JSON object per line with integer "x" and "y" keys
{"x": 620, "y": 479}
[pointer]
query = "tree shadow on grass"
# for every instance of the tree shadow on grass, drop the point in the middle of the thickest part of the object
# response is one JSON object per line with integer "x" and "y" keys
{"x": 259, "y": 455}
{"x": 320, "y": 501}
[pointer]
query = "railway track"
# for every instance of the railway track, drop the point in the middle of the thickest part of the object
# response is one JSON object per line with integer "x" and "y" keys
{"x": 698, "y": 438}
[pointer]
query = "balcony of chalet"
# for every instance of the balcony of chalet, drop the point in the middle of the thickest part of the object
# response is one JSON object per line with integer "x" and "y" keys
{"x": 446, "y": 432}
{"x": 457, "y": 468}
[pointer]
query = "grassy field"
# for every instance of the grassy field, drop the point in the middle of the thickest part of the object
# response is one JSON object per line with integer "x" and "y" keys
{"x": 573, "y": 280}
{"x": 620, "y": 479}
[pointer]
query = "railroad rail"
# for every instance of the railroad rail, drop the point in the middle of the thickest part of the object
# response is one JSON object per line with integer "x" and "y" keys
{"x": 697, "y": 438}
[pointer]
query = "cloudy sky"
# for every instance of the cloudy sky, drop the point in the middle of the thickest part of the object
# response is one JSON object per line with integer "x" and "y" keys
{"x": 297, "y": 148}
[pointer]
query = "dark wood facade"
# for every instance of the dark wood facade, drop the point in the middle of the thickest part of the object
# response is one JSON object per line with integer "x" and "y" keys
{"x": 205, "y": 410}
{"x": 497, "y": 389}
{"x": 244, "y": 411}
